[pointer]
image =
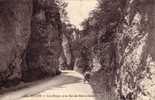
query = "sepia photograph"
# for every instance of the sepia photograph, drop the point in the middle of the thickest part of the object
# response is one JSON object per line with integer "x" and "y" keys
{"x": 77, "y": 49}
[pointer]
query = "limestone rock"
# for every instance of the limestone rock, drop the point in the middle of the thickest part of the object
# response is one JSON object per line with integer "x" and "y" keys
{"x": 44, "y": 48}
{"x": 15, "y": 21}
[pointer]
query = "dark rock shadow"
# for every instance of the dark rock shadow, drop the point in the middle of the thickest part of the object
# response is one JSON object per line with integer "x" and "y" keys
{"x": 43, "y": 84}
{"x": 101, "y": 87}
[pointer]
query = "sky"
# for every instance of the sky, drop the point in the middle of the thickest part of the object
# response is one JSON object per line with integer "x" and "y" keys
{"x": 78, "y": 10}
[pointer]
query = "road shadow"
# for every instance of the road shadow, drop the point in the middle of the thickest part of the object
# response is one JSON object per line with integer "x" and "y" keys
{"x": 51, "y": 82}
{"x": 101, "y": 84}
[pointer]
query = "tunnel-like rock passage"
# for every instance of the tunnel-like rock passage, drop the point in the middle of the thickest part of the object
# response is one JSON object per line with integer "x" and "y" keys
{"x": 116, "y": 45}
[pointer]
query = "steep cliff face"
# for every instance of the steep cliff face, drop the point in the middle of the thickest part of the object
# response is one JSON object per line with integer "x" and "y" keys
{"x": 44, "y": 46}
{"x": 15, "y": 21}
{"x": 135, "y": 47}
{"x": 125, "y": 50}
{"x": 30, "y": 40}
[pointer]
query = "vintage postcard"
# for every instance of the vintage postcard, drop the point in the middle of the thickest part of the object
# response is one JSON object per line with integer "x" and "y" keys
{"x": 77, "y": 49}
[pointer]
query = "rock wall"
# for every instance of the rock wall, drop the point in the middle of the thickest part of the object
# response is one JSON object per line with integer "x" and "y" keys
{"x": 44, "y": 49}
{"x": 30, "y": 40}
{"x": 15, "y": 21}
{"x": 124, "y": 50}
{"x": 135, "y": 49}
